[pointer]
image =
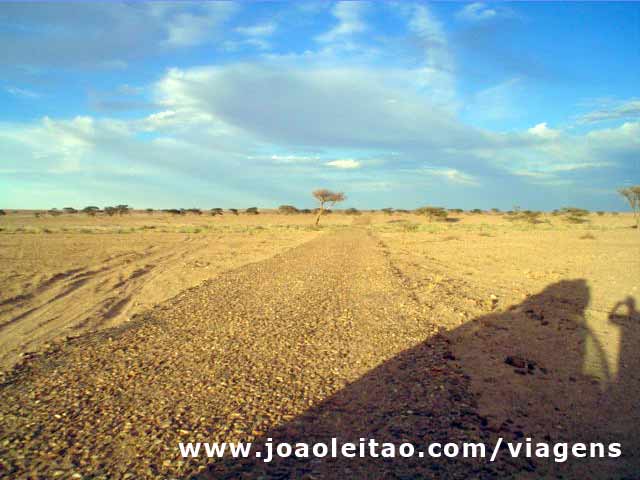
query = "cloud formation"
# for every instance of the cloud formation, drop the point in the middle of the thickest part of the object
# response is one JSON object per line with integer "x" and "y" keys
{"x": 476, "y": 12}
{"x": 346, "y": 164}
{"x": 627, "y": 110}
{"x": 387, "y": 115}
{"x": 349, "y": 15}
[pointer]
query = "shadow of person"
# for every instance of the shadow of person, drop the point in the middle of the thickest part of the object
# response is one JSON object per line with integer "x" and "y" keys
{"x": 623, "y": 400}
{"x": 515, "y": 374}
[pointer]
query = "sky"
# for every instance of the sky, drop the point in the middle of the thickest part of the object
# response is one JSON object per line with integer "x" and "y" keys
{"x": 397, "y": 104}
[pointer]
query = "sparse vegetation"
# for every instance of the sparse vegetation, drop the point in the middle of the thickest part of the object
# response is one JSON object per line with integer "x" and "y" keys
{"x": 252, "y": 211}
{"x": 287, "y": 209}
{"x": 91, "y": 210}
{"x": 433, "y": 213}
{"x": 574, "y": 215}
{"x": 216, "y": 211}
{"x": 632, "y": 196}
{"x": 352, "y": 211}
{"x": 326, "y": 197}
{"x": 531, "y": 217}
{"x": 174, "y": 211}
{"x": 410, "y": 227}
{"x": 387, "y": 211}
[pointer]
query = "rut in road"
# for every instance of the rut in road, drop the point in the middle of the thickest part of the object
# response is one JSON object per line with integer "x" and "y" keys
{"x": 316, "y": 342}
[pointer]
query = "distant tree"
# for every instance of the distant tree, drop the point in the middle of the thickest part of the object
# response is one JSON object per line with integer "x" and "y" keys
{"x": 632, "y": 196}
{"x": 495, "y": 210}
{"x": 352, "y": 211}
{"x": 251, "y": 211}
{"x": 54, "y": 212}
{"x": 402, "y": 211}
{"x": 216, "y": 211}
{"x": 2, "y": 213}
{"x": 387, "y": 211}
{"x": 91, "y": 210}
{"x": 325, "y": 197}
{"x": 234, "y": 211}
{"x": 433, "y": 213}
{"x": 149, "y": 210}
{"x": 476, "y": 210}
{"x": 123, "y": 209}
{"x": 111, "y": 211}
{"x": 69, "y": 210}
{"x": 306, "y": 210}
{"x": 195, "y": 211}
{"x": 456, "y": 210}
{"x": 600, "y": 213}
{"x": 287, "y": 209}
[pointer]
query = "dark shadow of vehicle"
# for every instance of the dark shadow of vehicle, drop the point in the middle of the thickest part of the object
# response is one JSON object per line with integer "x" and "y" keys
{"x": 527, "y": 368}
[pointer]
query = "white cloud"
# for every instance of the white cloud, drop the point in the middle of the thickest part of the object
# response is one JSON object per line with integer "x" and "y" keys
{"x": 317, "y": 106}
{"x": 497, "y": 102}
{"x": 107, "y": 35}
{"x": 452, "y": 175}
{"x": 346, "y": 164}
{"x": 611, "y": 110}
{"x": 543, "y": 131}
{"x": 349, "y": 15}
{"x": 476, "y": 12}
{"x": 438, "y": 71}
{"x": 260, "y": 30}
{"x": 187, "y": 29}
{"x": 22, "y": 92}
{"x": 293, "y": 158}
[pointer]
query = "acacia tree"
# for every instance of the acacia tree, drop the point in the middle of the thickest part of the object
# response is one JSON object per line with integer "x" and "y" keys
{"x": 437, "y": 213}
{"x": 632, "y": 195}
{"x": 326, "y": 197}
{"x": 91, "y": 210}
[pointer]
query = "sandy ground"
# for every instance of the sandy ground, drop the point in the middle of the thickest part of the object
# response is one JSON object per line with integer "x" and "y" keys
{"x": 92, "y": 273}
{"x": 394, "y": 328}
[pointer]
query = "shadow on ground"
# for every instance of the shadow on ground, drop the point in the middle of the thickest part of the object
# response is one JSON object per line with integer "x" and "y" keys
{"x": 537, "y": 370}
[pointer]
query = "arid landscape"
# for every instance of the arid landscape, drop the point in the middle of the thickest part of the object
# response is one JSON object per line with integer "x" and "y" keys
{"x": 319, "y": 240}
{"x": 124, "y": 335}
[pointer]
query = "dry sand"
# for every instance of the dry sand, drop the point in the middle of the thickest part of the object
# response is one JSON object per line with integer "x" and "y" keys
{"x": 394, "y": 328}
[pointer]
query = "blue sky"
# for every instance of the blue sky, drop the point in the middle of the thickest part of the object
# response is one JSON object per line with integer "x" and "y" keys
{"x": 216, "y": 104}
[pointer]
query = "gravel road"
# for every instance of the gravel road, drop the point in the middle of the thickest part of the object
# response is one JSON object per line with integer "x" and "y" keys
{"x": 320, "y": 341}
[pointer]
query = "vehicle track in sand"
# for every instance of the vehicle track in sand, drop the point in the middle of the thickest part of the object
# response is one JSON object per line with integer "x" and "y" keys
{"x": 99, "y": 290}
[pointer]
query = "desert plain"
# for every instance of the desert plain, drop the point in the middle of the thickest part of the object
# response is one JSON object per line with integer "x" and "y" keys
{"x": 121, "y": 336}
